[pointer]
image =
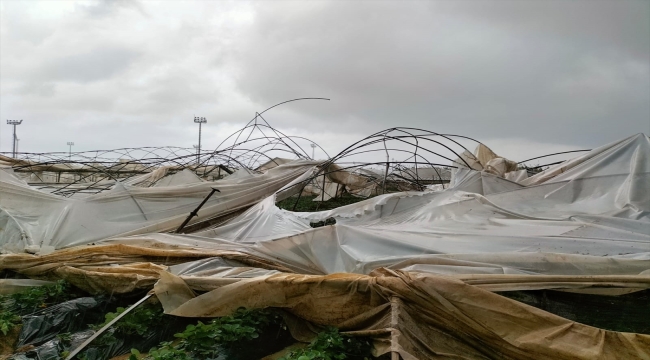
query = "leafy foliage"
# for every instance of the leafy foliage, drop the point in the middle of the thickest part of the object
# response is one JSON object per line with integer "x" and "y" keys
{"x": 7, "y": 321}
{"x": 307, "y": 203}
{"x": 331, "y": 345}
{"x": 166, "y": 351}
{"x": 65, "y": 338}
{"x": 14, "y": 305}
{"x": 37, "y": 297}
{"x": 207, "y": 340}
{"x": 137, "y": 321}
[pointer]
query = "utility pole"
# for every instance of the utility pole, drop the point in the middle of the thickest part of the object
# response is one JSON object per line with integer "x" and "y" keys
{"x": 14, "y": 123}
{"x": 70, "y": 143}
{"x": 313, "y": 147}
{"x": 200, "y": 121}
{"x": 198, "y": 154}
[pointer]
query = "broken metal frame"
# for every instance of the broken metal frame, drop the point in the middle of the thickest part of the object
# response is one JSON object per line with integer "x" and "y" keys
{"x": 256, "y": 142}
{"x": 421, "y": 144}
{"x": 94, "y": 168}
{"x": 195, "y": 212}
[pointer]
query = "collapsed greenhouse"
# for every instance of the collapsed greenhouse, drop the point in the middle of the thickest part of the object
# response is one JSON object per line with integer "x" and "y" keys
{"x": 439, "y": 251}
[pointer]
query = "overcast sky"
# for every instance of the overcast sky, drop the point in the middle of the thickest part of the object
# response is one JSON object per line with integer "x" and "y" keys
{"x": 525, "y": 77}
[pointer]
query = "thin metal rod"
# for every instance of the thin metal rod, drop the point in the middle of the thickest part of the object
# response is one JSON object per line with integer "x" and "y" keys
{"x": 383, "y": 185}
{"x": 198, "y": 154}
{"x": 14, "y": 147}
{"x": 195, "y": 212}
{"x": 558, "y": 153}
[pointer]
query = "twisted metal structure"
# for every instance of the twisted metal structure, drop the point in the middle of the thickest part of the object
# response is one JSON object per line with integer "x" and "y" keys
{"x": 90, "y": 172}
{"x": 414, "y": 159}
{"x": 532, "y": 169}
{"x": 395, "y": 159}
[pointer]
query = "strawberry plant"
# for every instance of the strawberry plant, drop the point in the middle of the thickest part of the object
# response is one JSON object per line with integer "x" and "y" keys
{"x": 37, "y": 297}
{"x": 7, "y": 321}
{"x": 331, "y": 345}
{"x": 138, "y": 321}
{"x": 13, "y": 306}
{"x": 207, "y": 340}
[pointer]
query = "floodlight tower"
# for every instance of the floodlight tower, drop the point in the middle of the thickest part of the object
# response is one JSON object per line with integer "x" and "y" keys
{"x": 14, "y": 123}
{"x": 70, "y": 143}
{"x": 313, "y": 147}
{"x": 199, "y": 120}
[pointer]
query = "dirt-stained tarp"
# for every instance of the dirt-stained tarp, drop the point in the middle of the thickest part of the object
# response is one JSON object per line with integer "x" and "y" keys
{"x": 419, "y": 316}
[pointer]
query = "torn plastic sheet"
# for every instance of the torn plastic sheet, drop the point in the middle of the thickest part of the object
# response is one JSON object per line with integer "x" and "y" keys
{"x": 219, "y": 267}
{"x": 419, "y": 316}
{"x": 601, "y": 220}
{"x": 69, "y": 316}
{"x": 120, "y": 268}
{"x": 52, "y": 349}
{"x": 515, "y": 230}
{"x": 37, "y": 221}
{"x": 583, "y": 229}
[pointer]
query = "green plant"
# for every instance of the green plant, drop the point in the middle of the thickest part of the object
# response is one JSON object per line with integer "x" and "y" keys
{"x": 7, "y": 321}
{"x": 206, "y": 340}
{"x": 166, "y": 351}
{"x": 14, "y": 305}
{"x": 137, "y": 321}
{"x": 65, "y": 338}
{"x": 331, "y": 345}
{"x": 37, "y": 297}
{"x": 307, "y": 203}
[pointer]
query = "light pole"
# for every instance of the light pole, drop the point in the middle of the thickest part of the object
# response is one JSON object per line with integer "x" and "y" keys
{"x": 199, "y": 120}
{"x": 196, "y": 148}
{"x": 70, "y": 143}
{"x": 14, "y": 123}
{"x": 313, "y": 148}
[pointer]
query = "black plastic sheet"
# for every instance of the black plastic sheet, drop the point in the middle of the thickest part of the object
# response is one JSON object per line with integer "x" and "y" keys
{"x": 70, "y": 316}
{"x": 55, "y": 348}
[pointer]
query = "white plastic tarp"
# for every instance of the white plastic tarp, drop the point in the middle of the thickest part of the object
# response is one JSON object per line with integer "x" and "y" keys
{"x": 592, "y": 218}
{"x": 37, "y": 221}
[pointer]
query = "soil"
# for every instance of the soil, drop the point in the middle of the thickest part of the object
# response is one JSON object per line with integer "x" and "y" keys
{"x": 7, "y": 342}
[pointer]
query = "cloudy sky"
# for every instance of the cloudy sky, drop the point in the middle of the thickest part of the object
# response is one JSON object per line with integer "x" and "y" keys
{"x": 524, "y": 77}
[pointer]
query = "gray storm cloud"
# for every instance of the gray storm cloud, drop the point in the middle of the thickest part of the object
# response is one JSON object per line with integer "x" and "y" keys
{"x": 556, "y": 74}
{"x": 554, "y": 69}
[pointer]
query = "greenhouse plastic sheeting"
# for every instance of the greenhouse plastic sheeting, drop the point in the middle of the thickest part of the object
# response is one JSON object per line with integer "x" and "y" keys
{"x": 414, "y": 270}
{"x": 122, "y": 268}
{"x": 37, "y": 221}
{"x": 418, "y": 316}
{"x": 592, "y": 219}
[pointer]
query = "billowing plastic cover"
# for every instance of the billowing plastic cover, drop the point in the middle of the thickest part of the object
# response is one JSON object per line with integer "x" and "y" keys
{"x": 592, "y": 218}
{"x": 37, "y": 221}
